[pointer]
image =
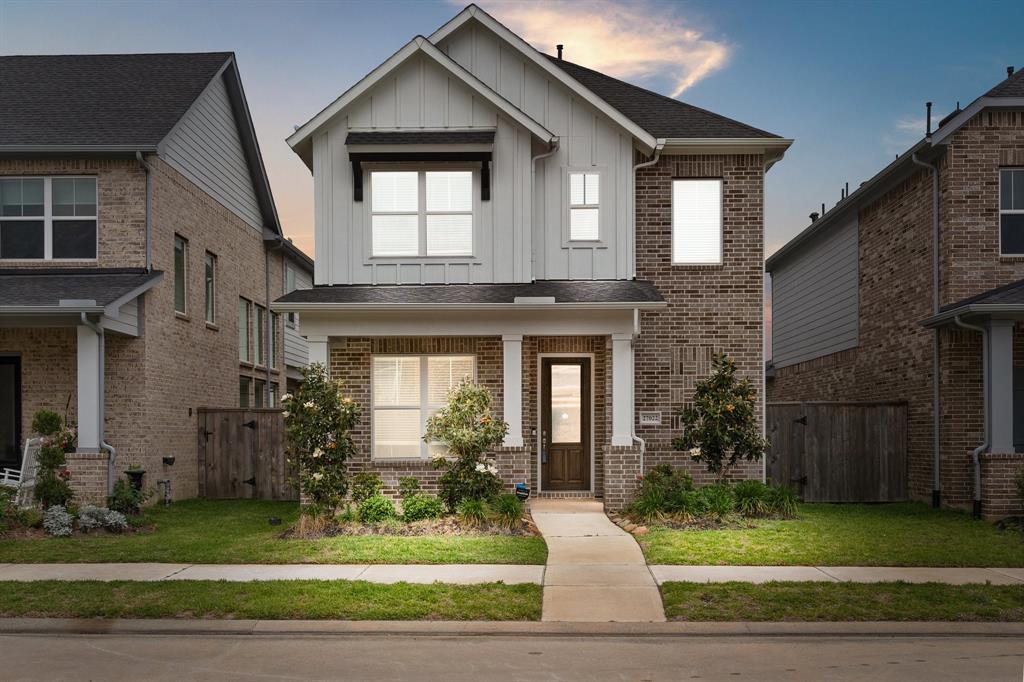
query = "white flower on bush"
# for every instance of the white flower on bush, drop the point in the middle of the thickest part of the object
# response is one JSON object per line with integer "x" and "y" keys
{"x": 481, "y": 467}
{"x": 309, "y": 405}
{"x": 286, "y": 414}
{"x": 286, "y": 396}
{"x": 694, "y": 452}
{"x": 317, "y": 476}
{"x": 317, "y": 453}
{"x": 487, "y": 467}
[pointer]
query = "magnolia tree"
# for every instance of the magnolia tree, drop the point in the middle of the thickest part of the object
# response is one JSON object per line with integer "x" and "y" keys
{"x": 720, "y": 425}
{"x": 469, "y": 430}
{"x": 319, "y": 419}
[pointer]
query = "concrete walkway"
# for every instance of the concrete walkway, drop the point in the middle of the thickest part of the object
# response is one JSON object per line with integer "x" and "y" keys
{"x": 595, "y": 571}
{"x": 457, "y": 574}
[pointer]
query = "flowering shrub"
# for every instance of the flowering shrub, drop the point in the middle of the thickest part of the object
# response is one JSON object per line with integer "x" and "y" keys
{"x": 51, "y": 486}
{"x": 318, "y": 419}
{"x": 468, "y": 429}
{"x": 720, "y": 426}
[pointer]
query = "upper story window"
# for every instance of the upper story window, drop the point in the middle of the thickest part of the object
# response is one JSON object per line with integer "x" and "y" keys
{"x": 1011, "y": 211}
{"x": 244, "y": 313}
{"x": 180, "y": 274}
{"x": 261, "y": 335}
{"x": 290, "y": 285}
{"x": 584, "y": 206}
{"x": 697, "y": 222}
{"x": 211, "y": 288}
{"x": 48, "y": 218}
{"x": 421, "y": 213}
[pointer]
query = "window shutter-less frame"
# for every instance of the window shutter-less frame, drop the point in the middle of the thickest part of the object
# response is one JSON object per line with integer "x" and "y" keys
{"x": 697, "y": 222}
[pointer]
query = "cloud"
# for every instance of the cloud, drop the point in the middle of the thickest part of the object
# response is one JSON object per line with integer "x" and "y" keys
{"x": 628, "y": 41}
{"x": 906, "y": 131}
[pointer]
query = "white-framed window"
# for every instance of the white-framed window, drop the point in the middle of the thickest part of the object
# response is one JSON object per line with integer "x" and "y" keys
{"x": 244, "y": 390}
{"x": 261, "y": 335}
{"x": 416, "y": 213}
{"x": 180, "y": 275}
{"x": 697, "y": 222}
{"x": 210, "y": 264}
{"x": 584, "y": 206}
{"x": 406, "y": 391}
{"x": 290, "y": 285}
{"x": 244, "y": 326}
{"x": 1011, "y": 211}
{"x": 48, "y": 218}
{"x": 272, "y": 340}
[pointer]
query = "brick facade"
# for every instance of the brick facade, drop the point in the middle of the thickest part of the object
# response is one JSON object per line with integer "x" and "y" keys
{"x": 999, "y": 494}
{"x": 894, "y": 356}
{"x": 154, "y": 382}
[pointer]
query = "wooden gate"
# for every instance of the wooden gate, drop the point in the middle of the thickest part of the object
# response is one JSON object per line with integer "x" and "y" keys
{"x": 241, "y": 455}
{"x": 839, "y": 452}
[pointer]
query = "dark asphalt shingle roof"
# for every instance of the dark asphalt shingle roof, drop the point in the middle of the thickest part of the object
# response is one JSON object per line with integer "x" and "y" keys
{"x": 1009, "y": 294}
{"x": 659, "y": 115}
{"x": 111, "y": 99}
{"x": 563, "y": 291}
{"x": 47, "y": 287}
{"x": 1013, "y": 86}
{"x": 422, "y": 137}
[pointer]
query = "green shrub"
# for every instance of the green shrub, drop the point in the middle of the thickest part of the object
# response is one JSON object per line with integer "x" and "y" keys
{"x": 716, "y": 500}
{"x": 57, "y": 521}
{"x": 667, "y": 479}
{"x": 782, "y": 500}
{"x": 649, "y": 505}
{"x": 408, "y": 486}
{"x": 366, "y": 484}
{"x": 419, "y": 506}
{"x": 126, "y": 499}
{"x": 685, "y": 504}
{"x": 376, "y": 509}
{"x": 508, "y": 511}
{"x": 346, "y": 515}
{"x": 91, "y": 517}
{"x": 1019, "y": 481}
{"x": 47, "y": 423}
{"x": 472, "y": 512}
{"x": 51, "y": 486}
{"x": 752, "y": 498}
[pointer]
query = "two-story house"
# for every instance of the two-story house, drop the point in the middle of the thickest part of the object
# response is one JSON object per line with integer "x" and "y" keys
{"x": 139, "y": 247}
{"x": 578, "y": 245}
{"x": 911, "y": 289}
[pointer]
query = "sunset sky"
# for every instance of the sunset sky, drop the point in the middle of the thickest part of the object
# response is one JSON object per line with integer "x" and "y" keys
{"x": 847, "y": 80}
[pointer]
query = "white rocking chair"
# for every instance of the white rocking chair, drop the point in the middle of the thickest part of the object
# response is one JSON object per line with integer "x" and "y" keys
{"x": 22, "y": 479}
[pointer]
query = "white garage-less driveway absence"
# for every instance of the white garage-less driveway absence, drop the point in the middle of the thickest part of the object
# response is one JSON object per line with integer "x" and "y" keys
{"x": 595, "y": 571}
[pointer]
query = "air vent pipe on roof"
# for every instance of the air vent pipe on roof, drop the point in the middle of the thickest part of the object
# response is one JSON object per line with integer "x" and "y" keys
{"x": 1009, "y": 71}
{"x": 814, "y": 216}
{"x": 559, "y": 48}
{"x": 928, "y": 129}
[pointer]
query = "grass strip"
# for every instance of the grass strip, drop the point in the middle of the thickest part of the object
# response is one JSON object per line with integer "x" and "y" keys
{"x": 821, "y": 601}
{"x": 278, "y": 599}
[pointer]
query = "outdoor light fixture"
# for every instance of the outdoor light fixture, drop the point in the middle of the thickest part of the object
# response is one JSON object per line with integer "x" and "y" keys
{"x": 168, "y": 460}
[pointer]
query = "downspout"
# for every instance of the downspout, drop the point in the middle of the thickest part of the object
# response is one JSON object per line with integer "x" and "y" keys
{"x": 271, "y": 245}
{"x": 112, "y": 461}
{"x": 936, "y": 471}
{"x": 632, "y": 399}
{"x": 985, "y": 383}
{"x": 149, "y": 210}
{"x": 658, "y": 147}
{"x": 553, "y": 144}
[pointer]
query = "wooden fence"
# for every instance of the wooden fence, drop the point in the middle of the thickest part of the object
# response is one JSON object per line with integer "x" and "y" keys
{"x": 241, "y": 455}
{"x": 839, "y": 452}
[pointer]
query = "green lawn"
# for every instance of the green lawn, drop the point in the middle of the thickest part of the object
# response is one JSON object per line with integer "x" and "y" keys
{"x": 280, "y": 599}
{"x": 906, "y": 534}
{"x": 820, "y": 601}
{"x": 237, "y": 531}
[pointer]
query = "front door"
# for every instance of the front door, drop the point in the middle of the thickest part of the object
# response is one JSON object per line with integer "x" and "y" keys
{"x": 565, "y": 424}
{"x": 10, "y": 411}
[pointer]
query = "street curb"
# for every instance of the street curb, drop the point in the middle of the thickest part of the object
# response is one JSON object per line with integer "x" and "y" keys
{"x": 73, "y": 626}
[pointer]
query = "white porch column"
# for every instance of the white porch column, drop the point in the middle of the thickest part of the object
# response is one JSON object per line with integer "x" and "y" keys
{"x": 317, "y": 350}
{"x": 622, "y": 390}
{"x": 512, "y": 389}
{"x": 88, "y": 390}
{"x": 1001, "y": 385}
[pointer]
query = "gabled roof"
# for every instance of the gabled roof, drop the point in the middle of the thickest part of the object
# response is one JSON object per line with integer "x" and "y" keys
{"x": 104, "y": 100}
{"x": 1007, "y": 300}
{"x": 49, "y": 290}
{"x": 1013, "y": 86}
{"x": 661, "y": 116}
{"x": 301, "y": 138}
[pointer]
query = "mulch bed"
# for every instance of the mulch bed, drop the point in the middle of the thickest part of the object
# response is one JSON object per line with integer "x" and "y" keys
{"x": 446, "y": 526}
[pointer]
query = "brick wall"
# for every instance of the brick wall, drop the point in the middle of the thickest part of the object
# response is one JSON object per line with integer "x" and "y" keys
{"x": 999, "y": 495}
{"x": 711, "y": 308}
{"x": 622, "y": 466}
{"x": 88, "y": 477}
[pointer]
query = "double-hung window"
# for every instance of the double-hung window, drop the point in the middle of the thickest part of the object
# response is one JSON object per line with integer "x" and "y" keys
{"x": 211, "y": 288}
{"x": 697, "y": 222}
{"x": 45, "y": 218}
{"x": 1011, "y": 211}
{"x": 180, "y": 275}
{"x": 407, "y": 390}
{"x": 421, "y": 213}
{"x": 244, "y": 326}
{"x": 584, "y": 206}
{"x": 261, "y": 335}
{"x": 290, "y": 285}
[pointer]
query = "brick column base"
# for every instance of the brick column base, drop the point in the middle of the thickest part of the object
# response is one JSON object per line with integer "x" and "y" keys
{"x": 999, "y": 495}
{"x": 88, "y": 477}
{"x": 621, "y": 472}
{"x": 513, "y": 465}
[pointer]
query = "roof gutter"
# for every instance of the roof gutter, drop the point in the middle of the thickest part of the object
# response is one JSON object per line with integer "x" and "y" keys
{"x": 659, "y": 145}
{"x": 985, "y": 384}
{"x": 936, "y": 420}
{"x": 284, "y": 306}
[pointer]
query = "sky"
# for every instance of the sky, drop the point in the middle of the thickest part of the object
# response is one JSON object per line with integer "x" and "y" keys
{"x": 847, "y": 80}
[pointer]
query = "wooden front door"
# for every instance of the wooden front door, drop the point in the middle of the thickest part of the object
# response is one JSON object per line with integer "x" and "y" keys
{"x": 565, "y": 424}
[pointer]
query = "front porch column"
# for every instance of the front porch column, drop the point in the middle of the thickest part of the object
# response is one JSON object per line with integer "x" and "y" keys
{"x": 317, "y": 350}
{"x": 622, "y": 390}
{"x": 88, "y": 390}
{"x": 512, "y": 388}
{"x": 1000, "y": 335}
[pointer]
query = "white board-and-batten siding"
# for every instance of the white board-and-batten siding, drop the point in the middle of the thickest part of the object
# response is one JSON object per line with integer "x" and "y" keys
{"x": 296, "y": 349}
{"x": 815, "y": 302}
{"x": 205, "y": 147}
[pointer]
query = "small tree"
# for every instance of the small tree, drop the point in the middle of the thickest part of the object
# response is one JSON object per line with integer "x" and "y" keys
{"x": 468, "y": 428}
{"x": 720, "y": 426}
{"x": 51, "y": 487}
{"x": 319, "y": 419}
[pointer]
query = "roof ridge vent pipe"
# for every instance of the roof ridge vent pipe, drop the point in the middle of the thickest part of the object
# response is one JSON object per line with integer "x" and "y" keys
{"x": 560, "y": 46}
{"x": 928, "y": 117}
{"x": 1009, "y": 69}
{"x": 985, "y": 384}
{"x": 936, "y": 422}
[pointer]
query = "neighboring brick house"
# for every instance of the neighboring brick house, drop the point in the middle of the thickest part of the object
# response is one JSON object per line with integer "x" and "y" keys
{"x": 864, "y": 303}
{"x": 579, "y": 245}
{"x": 136, "y": 223}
